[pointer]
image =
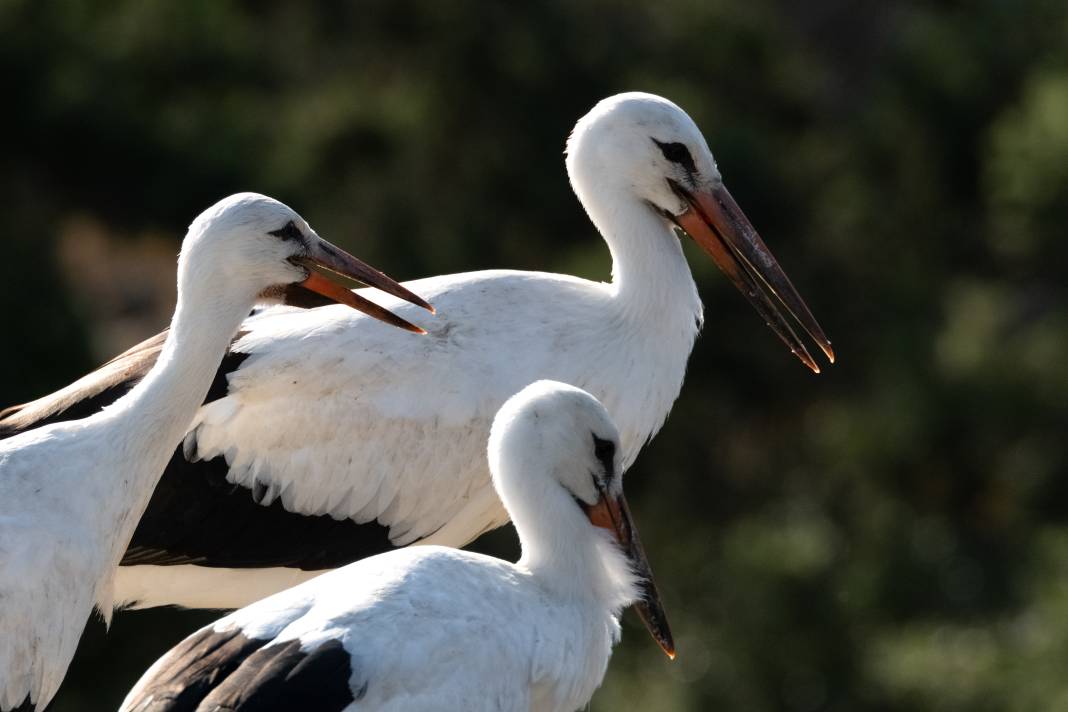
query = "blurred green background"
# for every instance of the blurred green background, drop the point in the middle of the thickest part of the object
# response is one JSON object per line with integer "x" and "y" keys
{"x": 890, "y": 535}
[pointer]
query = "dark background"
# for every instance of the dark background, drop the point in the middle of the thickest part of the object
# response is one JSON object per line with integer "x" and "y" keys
{"x": 890, "y": 535}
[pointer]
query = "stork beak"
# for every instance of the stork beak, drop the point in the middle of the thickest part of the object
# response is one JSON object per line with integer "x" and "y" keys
{"x": 720, "y": 227}
{"x": 613, "y": 514}
{"x": 325, "y": 256}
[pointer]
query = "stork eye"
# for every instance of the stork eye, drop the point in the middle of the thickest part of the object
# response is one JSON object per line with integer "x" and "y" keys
{"x": 677, "y": 153}
{"x": 288, "y": 232}
{"x": 605, "y": 451}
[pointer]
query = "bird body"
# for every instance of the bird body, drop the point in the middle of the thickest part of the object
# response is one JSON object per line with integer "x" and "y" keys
{"x": 460, "y": 602}
{"x": 433, "y": 628}
{"x": 71, "y": 493}
{"x": 329, "y": 439}
{"x": 406, "y": 433}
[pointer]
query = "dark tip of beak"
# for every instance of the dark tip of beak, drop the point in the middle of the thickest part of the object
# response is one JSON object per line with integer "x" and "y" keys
{"x": 656, "y": 623}
{"x": 613, "y": 514}
{"x": 719, "y": 226}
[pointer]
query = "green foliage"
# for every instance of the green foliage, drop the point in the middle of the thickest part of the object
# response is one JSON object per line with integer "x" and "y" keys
{"x": 891, "y": 535}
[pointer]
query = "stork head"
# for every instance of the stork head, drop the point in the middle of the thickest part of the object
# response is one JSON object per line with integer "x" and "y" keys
{"x": 554, "y": 450}
{"x": 254, "y": 242}
{"x": 647, "y": 148}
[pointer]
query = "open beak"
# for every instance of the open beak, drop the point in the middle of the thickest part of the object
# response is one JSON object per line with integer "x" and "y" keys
{"x": 613, "y": 514}
{"x": 335, "y": 261}
{"x": 720, "y": 227}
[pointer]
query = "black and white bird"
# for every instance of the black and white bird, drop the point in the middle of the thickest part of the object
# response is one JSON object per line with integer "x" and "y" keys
{"x": 71, "y": 493}
{"x": 433, "y": 628}
{"x": 330, "y": 438}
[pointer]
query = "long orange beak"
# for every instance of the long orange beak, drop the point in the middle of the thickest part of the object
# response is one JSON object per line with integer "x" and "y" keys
{"x": 613, "y": 514}
{"x": 321, "y": 254}
{"x": 720, "y": 227}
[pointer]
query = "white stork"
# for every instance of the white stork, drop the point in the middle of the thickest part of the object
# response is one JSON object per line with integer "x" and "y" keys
{"x": 71, "y": 493}
{"x": 433, "y": 628}
{"x": 326, "y": 438}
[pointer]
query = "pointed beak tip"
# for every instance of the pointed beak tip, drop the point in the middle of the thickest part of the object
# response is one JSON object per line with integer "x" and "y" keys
{"x": 720, "y": 227}
{"x": 418, "y": 301}
{"x": 807, "y": 360}
{"x": 668, "y": 646}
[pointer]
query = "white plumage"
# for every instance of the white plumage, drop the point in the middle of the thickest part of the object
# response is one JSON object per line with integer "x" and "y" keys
{"x": 398, "y": 434}
{"x": 433, "y": 628}
{"x": 71, "y": 493}
{"x": 335, "y": 415}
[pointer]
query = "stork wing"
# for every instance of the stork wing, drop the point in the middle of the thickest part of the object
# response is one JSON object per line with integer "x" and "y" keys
{"x": 197, "y": 516}
{"x": 333, "y": 415}
{"x": 228, "y": 670}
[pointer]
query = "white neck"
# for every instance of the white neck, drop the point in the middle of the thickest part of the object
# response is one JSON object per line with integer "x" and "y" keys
{"x": 660, "y": 312}
{"x": 151, "y": 420}
{"x": 650, "y": 275}
{"x": 161, "y": 406}
{"x": 568, "y": 555}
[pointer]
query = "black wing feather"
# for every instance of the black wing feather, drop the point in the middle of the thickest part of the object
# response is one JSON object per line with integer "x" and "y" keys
{"x": 226, "y": 671}
{"x": 193, "y": 668}
{"x": 282, "y": 677}
{"x": 196, "y": 516}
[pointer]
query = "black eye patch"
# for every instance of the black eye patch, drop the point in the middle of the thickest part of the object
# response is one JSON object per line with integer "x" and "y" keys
{"x": 288, "y": 232}
{"x": 678, "y": 153}
{"x": 605, "y": 451}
